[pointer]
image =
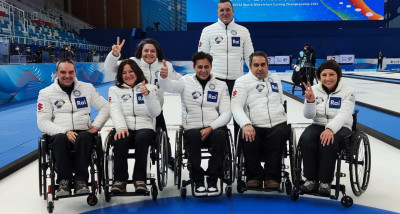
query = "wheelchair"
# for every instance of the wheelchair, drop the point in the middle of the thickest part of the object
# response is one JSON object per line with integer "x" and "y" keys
{"x": 286, "y": 181}
{"x": 47, "y": 172}
{"x": 158, "y": 156}
{"x": 356, "y": 152}
{"x": 181, "y": 161}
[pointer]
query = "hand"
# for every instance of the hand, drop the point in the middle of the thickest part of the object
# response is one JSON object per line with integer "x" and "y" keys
{"x": 205, "y": 132}
{"x": 309, "y": 94}
{"x": 71, "y": 136}
{"x": 143, "y": 89}
{"x": 93, "y": 130}
{"x": 121, "y": 134}
{"x": 164, "y": 69}
{"x": 248, "y": 133}
{"x": 116, "y": 49}
{"x": 326, "y": 137}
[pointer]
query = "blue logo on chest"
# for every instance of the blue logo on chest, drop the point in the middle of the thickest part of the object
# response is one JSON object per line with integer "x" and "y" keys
{"x": 335, "y": 102}
{"x": 81, "y": 102}
{"x": 140, "y": 98}
{"x": 235, "y": 41}
{"x": 274, "y": 87}
{"x": 212, "y": 96}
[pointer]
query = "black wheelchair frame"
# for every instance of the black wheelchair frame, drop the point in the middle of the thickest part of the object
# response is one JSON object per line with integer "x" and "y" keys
{"x": 47, "y": 163}
{"x": 158, "y": 156}
{"x": 179, "y": 165}
{"x": 357, "y": 153}
{"x": 286, "y": 183}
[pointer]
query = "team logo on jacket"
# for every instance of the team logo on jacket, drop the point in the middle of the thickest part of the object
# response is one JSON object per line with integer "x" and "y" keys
{"x": 235, "y": 41}
{"x": 319, "y": 100}
{"x": 212, "y": 96}
{"x": 140, "y": 98}
{"x": 274, "y": 87}
{"x": 81, "y": 102}
{"x": 156, "y": 83}
{"x": 218, "y": 39}
{"x": 196, "y": 94}
{"x": 270, "y": 79}
{"x": 76, "y": 93}
{"x": 335, "y": 102}
{"x": 125, "y": 97}
{"x": 260, "y": 87}
{"x": 233, "y": 32}
{"x": 211, "y": 86}
{"x": 59, "y": 103}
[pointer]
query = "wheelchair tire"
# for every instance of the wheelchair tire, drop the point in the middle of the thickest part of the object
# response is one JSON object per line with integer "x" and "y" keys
{"x": 228, "y": 191}
{"x": 292, "y": 152}
{"x": 360, "y": 163}
{"x": 50, "y": 207}
{"x": 240, "y": 186}
{"x": 294, "y": 194}
{"x": 162, "y": 159}
{"x": 346, "y": 201}
{"x": 178, "y": 158}
{"x": 99, "y": 162}
{"x": 107, "y": 195}
{"x": 183, "y": 192}
{"x": 40, "y": 166}
{"x": 91, "y": 200}
{"x": 288, "y": 187}
{"x": 154, "y": 192}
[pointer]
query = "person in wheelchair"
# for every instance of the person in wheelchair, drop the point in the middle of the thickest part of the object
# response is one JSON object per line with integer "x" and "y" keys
{"x": 257, "y": 106}
{"x": 134, "y": 107}
{"x": 63, "y": 112}
{"x": 150, "y": 58}
{"x": 206, "y": 112}
{"x": 330, "y": 104}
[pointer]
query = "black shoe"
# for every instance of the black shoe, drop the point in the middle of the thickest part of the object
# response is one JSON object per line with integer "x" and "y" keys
{"x": 212, "y": 188}
{"x": 81, "y": 188}
{"x": 171, "y": 163}
{"x": 199, "y": 188}
{"x": 118, "y": 187}
{"x": 324, "y": 189}
{"x": 308, "y": 186}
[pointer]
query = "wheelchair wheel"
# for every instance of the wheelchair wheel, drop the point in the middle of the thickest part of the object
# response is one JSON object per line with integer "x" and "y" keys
{"x": 346, "y": 201}
{"x": 108, "y": 166}
{"x": 50, "y": 207}
{"x": 178, "y": 158}
{"x": 183, "y": 192}
{"x": 360, "y": 163}
{"x": 241, "y": 184}
{"x": 91, "y": 200}
{"x": 228, "y": 164}
{"x": 154, "y": 191}
{"x": 40, "y": 166}
{"x": 99, "y": 161}
{"x": 297, "y": 175}
{"x": 228, "y": 191}
{"x": 292, "y": 152}
{"x": 162, "y": 159}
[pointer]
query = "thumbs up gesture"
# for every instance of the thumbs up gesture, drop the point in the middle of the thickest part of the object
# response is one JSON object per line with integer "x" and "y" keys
{"x": 116, "y": 49}
{"x": 164, "y": 69}
{"x": 143, "y": 89}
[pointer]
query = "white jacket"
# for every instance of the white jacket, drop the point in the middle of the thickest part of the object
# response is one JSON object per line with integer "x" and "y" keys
{"x": 333, "y": 111}
{"x": 129, "y": 109}
{"x": 201, "y": 108}
{"x": 150, "y": 71}
{"x": 230, "y": 45}
{"x": 59, "y": 113}
{"x": 258, "y": 102}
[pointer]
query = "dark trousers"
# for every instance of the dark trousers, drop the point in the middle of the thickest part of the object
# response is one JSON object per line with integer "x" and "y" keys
{"x": 216, "y": 141}
{"x": 319, "y": 161}
{"x": 160, "y": 122}
{"x": 140, "y": 140}
{"x": 231, "y": 84}
{"x": 62, "y": 146}
{"x": 267, "y": 147}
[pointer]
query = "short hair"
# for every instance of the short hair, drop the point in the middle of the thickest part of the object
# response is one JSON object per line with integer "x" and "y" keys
{"x": 139, "y": 49}
{"x": 67, "y": 60}
{"x": 201, "y": 55}
{"x": 136, "y": 69}
{"x": 329, "y": 64}
{"x": 223, "y": 1}
{"x": 257, "y": 53}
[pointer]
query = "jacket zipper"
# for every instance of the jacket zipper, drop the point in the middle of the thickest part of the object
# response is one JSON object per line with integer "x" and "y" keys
{"x": 227, "y": 51}
{"x": 133, "y": 105}
{"x": 72, "y": 111}
{"x": 269, "y": 114}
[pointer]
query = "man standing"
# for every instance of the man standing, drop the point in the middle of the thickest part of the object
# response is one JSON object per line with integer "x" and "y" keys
{"x": 228, "y": 43}
{"x": 257, "y": 106}
{"x": 380, "y": 60}
{"x": 63, "y": 112}
{"x": 307, "y": 61}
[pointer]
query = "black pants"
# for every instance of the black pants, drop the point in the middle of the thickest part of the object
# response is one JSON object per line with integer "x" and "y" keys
{"x": 160, "y": 122}
{"x": 140, "y": 140}
{"x": 307, "y": 74}
{"x": 231, "y": 84}
{"x": 62, "y": 146}
{"x": 216, "y": 141}
{"x": 267, "y": 147}
{"x": 319, "y": 161}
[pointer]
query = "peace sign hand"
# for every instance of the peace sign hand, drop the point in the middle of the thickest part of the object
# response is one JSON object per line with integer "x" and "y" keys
{"x": 309, "y": 94}
{"x": 116, "y": 49}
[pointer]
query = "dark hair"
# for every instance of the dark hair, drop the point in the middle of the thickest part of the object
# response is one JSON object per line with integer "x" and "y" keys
{"x": 329, "y": 64}
{"x": 201, "y": 55}
{"x": 136, "y": 69}
{"x": 257, "y": 53}
{"x": 65, "y": 60}
{"x": 139, "y": 48}
{"x": 223, "y": 1}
